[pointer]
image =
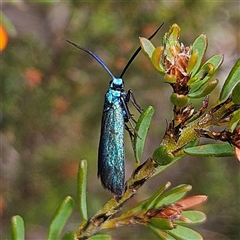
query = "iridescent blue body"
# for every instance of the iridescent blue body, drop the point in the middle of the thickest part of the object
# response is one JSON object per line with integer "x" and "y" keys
{"x": 111, "y": 168}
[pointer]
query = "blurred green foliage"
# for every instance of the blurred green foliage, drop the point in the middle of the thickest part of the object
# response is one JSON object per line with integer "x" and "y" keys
{"x": 52, "y": 97}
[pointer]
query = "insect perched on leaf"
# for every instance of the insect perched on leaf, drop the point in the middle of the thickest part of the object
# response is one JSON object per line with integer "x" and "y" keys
{"x": 116, "y": 114}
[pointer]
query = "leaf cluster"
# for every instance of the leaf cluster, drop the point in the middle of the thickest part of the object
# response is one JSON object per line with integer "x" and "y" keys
{"x": 165, "y": 212}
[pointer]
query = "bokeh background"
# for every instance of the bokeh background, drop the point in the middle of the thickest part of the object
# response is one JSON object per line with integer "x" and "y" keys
{"x": 52, "y": 99}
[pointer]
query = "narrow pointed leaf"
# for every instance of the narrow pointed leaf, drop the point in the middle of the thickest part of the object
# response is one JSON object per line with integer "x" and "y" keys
{"x": 173, "y": 195}
{"x": 151, "y": 201}
{"x": 18, "y": 230}
{"x": 148, "y": 203}
{"x": 184, "y": 233}
{"x": 199, "y": 48}
{"x": 142, "y": 127}
{"x": 211, "y": 150}
{"x": 60, "y": 218}
{"x": 230, "y": 82}
{"x": 81, "y": 189}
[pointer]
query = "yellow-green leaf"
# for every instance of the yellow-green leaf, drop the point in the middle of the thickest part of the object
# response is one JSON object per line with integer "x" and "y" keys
{"x": 156, "y": 57}
{"x": 81, "y": 189}
{"x": 147, "y": 47}
{"x": 61, "y": 216}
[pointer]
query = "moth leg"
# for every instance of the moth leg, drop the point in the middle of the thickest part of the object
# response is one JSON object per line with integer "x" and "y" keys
{"x": 130, "y": 97}
{"x": 132, "y": 133}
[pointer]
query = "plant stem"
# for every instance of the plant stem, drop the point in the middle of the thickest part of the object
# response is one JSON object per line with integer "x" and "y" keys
{"x": 149, "y": 168}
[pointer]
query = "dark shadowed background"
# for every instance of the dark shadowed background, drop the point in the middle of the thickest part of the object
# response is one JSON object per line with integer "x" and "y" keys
{"x": 52, "y": 96}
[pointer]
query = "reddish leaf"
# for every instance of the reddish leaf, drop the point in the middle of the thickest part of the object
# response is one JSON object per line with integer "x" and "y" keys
{"x": 191, "y": 201}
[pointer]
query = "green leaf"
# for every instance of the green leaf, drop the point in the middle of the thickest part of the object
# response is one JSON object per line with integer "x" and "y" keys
{"x": 236, "y": 93}
{"x": 230, "y": 82}
{"x": 194, "y": 217}
{"x": 142, "y": 127}
{"x": 204, "y": 91}
{"x": 81, "y": 189}
{"x": 198, "y": 51}
{"x": 148, "y": 203}
{"x": 147, "y": 47}
{"x": 161, "y": 223}
{"x": 100, "y": 237}
{"x": 62, "y": 214}
{"x": 235, "y": 120}
{"x": 152, "y": 200}
{"x": 18, "y": 230}
{"x": 211, "y": 150}
{"x": 161, "y": 234}
{"x": 69, "y": 236}
{"x": 173, "y": 195}
{"x": 184, "y": 233}
{"x": 205, "y": 72}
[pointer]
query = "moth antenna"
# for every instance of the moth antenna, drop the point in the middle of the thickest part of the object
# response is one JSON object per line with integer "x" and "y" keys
{"x": 138, "y": 50}
{"x": 93, "y": 55}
